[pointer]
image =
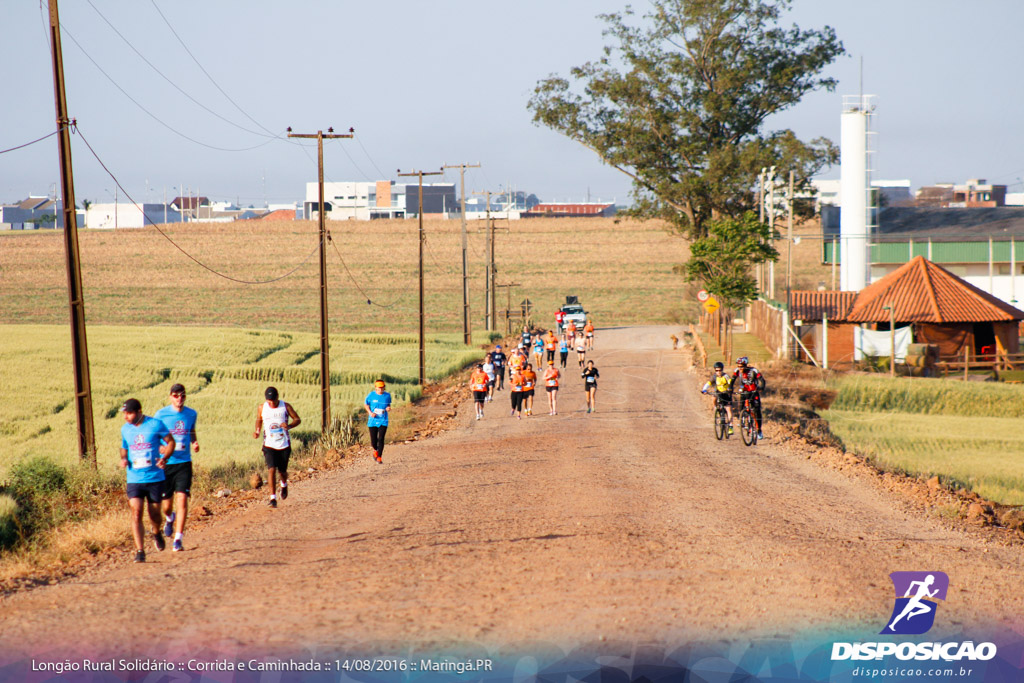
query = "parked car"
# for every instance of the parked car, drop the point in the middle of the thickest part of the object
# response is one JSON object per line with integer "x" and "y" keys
{"x": 573, "y": 311}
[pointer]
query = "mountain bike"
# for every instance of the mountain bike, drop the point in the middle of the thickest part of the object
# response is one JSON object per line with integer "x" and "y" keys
{"x": 748, "y": 428}
{"x": 721, "y": 423}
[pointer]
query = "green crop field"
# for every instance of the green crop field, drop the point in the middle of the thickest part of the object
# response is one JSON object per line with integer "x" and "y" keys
{"x": 224, "y": 370}
{"x": 970, "y": 434}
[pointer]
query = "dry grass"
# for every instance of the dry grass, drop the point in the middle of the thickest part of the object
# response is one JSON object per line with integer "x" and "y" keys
{"x": 620, "y": 269}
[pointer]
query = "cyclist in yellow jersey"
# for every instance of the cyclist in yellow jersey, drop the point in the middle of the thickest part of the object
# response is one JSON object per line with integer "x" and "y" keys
{"x": 721, "y": 384}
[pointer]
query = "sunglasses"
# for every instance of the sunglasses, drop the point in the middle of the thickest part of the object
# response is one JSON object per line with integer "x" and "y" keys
{"x": 179, "y": 395}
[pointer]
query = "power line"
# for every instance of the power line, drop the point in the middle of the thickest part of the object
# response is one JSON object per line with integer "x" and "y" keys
{"x": 151, "y": 114}
{"x": 369, "y": 299}
{"x": 48, "y": 135}
{"x": 75, "y": 129}
{"x": 380, "y": 172}
{"x": 172, "y": 83}
{"x": 215, "y": 84}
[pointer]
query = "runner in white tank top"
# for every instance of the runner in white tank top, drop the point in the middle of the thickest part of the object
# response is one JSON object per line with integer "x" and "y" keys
{"x": 274, "y": 421}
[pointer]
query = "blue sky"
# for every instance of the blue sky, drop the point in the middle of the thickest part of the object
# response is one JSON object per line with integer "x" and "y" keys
{"x": 431, "y": 83}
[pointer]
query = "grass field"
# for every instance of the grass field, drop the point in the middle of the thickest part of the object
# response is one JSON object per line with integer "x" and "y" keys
{"x": 621, "y": 270}
{"x": 224, "y": 371}
{"x": 970, "y": 434}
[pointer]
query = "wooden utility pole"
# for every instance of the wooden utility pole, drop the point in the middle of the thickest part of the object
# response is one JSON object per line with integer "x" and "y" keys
{"x": 325, "y": 359}
{"x": 76, "y": 300}
{"x": 467, "y": 334}
{"x": 508, "y": 303}
{"x": 423, "y": 348}
{"x": 489, "y": 293}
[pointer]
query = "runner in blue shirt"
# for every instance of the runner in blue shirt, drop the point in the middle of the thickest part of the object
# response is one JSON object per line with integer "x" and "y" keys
{"x": 498, "y": 358}
{"x": 563, "y": 351}
{"x": 145, "y": 446}
{"x": 181, "y": 421}
{"x": 378, "y": 405}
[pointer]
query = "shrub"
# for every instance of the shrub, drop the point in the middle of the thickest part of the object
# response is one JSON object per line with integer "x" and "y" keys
{"x": 8, "y": 521}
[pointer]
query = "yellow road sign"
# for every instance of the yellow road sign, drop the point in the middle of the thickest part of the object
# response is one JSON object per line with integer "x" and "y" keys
{"x": 711, "y": 305}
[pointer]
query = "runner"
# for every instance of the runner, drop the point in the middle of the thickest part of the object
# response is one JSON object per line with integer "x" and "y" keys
{"x": 551, "y": 376}
{"x": 581, "y": 350}
{"x": 529, "y": 387}
{"x": 588, "y": 332}
{"x": 515, "y": 382}
{"x": 145, "y": 446}
{"x": 279, "y": 417}
{"x": 590, "y": 376}
{"x": 489, "y": 369}
{"x": 538, "y": 350}
{"x": 498, "y": 358}
{"x": 180, "y": 421}
{"x": 722, "y": 387}
{"x": 516, "y": 362}
{"x": 550, "y": 344}
{"x": 478, "y": 385}
{"x": 570, "y": 331}
{"x": 378, "y": 405}
{"x": 560, "y": 321}
{"x": 563, "y": 351}
{"x": 526, "y": 337}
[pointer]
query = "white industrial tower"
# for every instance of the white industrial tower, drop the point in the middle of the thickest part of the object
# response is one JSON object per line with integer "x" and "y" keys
{"x": 856, "y": 216}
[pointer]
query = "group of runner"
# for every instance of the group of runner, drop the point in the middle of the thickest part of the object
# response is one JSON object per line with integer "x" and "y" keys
{"x": 489, "y": 376}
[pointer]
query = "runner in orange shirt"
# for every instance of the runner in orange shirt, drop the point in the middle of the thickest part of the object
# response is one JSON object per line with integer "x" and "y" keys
{"x": 551, "y": 376}
{"x": 529, "y": 387}
{"x": 570, "y": 331}
{"x": 478, "y": 385}
{"x": 588, "y": 332}
{"x": 550, "y": 344}
{"x": 516, "y": 361}
{"x": 515, "y": 383}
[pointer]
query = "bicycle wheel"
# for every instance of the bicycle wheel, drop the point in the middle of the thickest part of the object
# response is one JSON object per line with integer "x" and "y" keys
{"x": 747, "y": 428}
{"x": 719, "y": 423}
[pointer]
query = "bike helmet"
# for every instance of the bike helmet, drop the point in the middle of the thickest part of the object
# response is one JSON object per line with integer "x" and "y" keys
{"x": 742, "y": 361}
{"x": 719, "y": 365}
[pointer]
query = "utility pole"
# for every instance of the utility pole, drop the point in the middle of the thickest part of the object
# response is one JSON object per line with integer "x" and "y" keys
{"x": 467, "y": 334}
{"x": 423, "y": 350}
{"x": 771, "y": 231}
{"x": 489, "y": 301}
{"x": 76, "y": 300}
{"x": 760, "y": 219}
{"x": 325, "y": 361}
{"x": 789, "y": 260}
{"x": 508, "y": 303}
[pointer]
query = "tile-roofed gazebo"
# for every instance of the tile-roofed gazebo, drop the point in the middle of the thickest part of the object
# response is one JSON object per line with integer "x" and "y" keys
{"x": 923, "y": 292}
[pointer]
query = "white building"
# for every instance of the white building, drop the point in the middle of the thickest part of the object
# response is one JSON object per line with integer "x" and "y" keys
{"x": 128, "y": 215}
{"x": 890, "y": 191}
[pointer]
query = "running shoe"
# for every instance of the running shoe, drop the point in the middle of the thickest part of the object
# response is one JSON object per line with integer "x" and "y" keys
{"x": 478, "y": 416}
{"x": 730, "y": 429}
{"x": 512, "y": 414}
{"x": 272, "y": 502}
{"x": 177, "y": 547}
{"x": 140, "y": 556}
{"x": 760, "y": 436}
{"x": 376, "y": 455}
{"x": 158, "y": 541}
{"x": 169, "y": 525}
{"x": 284, "y": 492}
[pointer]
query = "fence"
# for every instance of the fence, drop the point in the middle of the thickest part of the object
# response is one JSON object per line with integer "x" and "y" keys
{"x": 768, "y": 322}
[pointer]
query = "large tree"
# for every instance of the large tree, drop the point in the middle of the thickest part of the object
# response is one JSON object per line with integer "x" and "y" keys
{"x": 679, "y": 104}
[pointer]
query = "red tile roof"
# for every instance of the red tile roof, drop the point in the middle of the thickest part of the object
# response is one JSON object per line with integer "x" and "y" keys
{"x": 279, "y": 215}
{"x": 810, "y": 305}
{"x": 922, "y": 291}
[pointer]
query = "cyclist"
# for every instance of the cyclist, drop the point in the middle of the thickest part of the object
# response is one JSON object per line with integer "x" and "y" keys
{"x": 751, "y": 384}
{"x": 722, "y": 386}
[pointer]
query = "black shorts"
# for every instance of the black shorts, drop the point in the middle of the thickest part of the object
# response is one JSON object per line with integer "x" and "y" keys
{"x": 152, "y": 491}
{"x": 528, "y": 393}
{"x": 587, "y": 386}
{"x": 550, "y": 389}
{"x": 479, "y": 396}
{"x": 277, "y": 457}
{"x": 178, "y": 479}
{"x": 723, "y": 399}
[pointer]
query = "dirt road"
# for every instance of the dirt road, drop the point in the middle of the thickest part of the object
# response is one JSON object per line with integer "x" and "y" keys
{"x": 632, "y": 524}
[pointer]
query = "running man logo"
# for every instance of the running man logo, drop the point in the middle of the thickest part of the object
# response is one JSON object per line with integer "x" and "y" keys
{"x": 917, "y": 594}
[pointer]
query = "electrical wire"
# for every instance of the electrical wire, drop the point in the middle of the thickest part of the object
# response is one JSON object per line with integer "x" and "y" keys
{"x": 369, "y": 299}
{"x": 215, "y": 84}
{"x": 172, "y": 83}
{"x": 151, "y": 114}
{"x": 48, "y": 135}
{"x": 75, "y": 129}
{"x": 382, "y": 174}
